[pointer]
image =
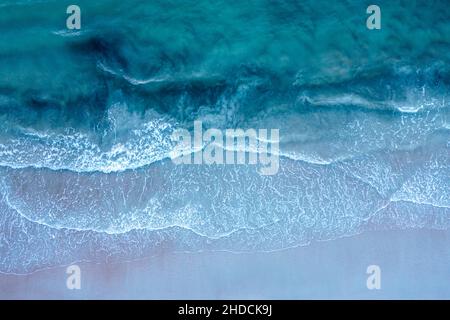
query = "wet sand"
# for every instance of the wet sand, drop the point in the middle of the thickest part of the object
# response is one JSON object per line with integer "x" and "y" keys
{"x": 414, "y": 264}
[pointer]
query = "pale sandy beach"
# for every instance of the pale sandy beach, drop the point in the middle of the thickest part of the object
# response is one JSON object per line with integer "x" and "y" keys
{"x": 414, "y": 264}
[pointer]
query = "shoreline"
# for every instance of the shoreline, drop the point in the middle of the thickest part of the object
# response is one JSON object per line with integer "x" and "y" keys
{"x": 413, "y": 263}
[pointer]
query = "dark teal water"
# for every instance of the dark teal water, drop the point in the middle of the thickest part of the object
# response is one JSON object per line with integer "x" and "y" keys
{"x": 86, "y": 120}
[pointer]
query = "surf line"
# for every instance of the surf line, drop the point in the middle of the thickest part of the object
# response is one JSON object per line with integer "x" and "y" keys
{"x": 230, "y": 146}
